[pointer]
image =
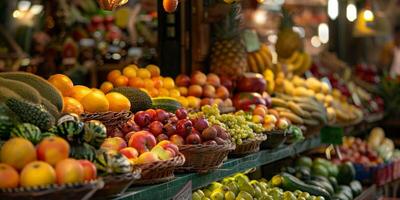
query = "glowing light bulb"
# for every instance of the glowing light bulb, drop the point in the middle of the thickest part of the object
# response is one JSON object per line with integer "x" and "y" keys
{"x": 315, "y": 42}
{"x": 260, "y": 17}
{"x": 351, "y": 12}
{"x": 368, "y": 15}
{"x": 333, "y": 9}
{"x": 323, "y": 32}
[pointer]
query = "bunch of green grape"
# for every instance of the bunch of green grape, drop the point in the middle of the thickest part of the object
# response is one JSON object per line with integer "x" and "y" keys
{"x": 238, "y": 124}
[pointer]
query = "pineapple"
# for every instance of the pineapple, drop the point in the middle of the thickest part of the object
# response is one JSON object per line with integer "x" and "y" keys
{"x": 228, "y": 53}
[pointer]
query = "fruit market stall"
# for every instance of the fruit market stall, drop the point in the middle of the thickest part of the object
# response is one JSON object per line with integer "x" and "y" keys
{"x": 258, "y": 118}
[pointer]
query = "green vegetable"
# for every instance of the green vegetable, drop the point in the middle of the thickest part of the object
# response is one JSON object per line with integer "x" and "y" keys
{"x": 139, "y": 100}
{"x": 292, "y": 183}
{"x": 346, "y": 174}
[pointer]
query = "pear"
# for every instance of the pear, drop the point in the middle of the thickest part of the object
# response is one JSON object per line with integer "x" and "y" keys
{"x": 244, "y": 195}
{"x": 276, "y": 194}
{"x": 207, "y": 192}
{"x": 233, "y": 186}
{"x": 289, "y": 196}
{"x": 214, "y": 185}
{"x": 263, "y": 186}
{"x": 230, "y": 195}
{"x": 196, "y": 196}
{"x": 242, "y": 176}
{"x": 217, "y": 194}
{"x": 244, "y": 185}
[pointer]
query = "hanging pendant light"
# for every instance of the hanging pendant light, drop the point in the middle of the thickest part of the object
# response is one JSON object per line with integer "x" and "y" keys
{"x": 170, "y": 5}
{"x": 111, "y": 4}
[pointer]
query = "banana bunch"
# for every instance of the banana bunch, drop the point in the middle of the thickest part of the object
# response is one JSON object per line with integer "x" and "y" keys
{"x": 300, "y": 110}
{"x": 269, "y": 77}
{"x": 298, "y": 62}
{"x": 260, "y": 60}
{"x": 338, "y": 110}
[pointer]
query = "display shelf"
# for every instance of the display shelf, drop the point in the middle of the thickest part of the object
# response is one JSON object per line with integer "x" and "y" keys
{"x": 229, "y": 167}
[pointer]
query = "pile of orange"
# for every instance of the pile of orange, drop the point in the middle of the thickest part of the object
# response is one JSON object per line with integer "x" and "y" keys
{"x": 148, "y": 79}
{"x": 79, "y": 99}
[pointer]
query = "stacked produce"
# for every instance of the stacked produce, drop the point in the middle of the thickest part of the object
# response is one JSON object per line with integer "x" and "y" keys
{"x": 250, "y": 91}
{"x": 204, "y": 89}
{"x": 48, "y": 164}
{"x": 298, "y": 63}
{"x": 339, "y": 111}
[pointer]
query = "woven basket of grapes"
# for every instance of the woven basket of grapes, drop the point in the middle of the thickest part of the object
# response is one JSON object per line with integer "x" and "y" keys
{"x": 81, "y": 191}
{"x": 159, "y": 171}
{"x": 249, "y": 146}
{"x": 202, "y": 158}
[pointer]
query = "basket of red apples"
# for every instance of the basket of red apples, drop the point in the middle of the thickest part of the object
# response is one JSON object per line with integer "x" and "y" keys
{"x": 110, "y": 119}
{"x": 205, "y": 146}
{"x": 151, "y": 143}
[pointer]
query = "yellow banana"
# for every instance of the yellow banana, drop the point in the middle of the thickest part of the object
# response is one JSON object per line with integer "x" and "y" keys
{"x": 294, "y": 57}
{"x": 252, "y": 63}
{"x": 299, "y": 62}
{"x": 306, "y": 64}
{"x": 265, "y": 49}
{"x": 266, "y": 59}
{"x": 260, "y": 62}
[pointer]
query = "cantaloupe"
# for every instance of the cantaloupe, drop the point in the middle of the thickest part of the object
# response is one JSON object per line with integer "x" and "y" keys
{"x": 45, "y": 89}
{"x": 23, "y": 90}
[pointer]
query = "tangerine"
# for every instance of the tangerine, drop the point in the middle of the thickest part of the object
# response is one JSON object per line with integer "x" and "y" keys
{"x": 78, "y": 92}
{"x": 114, "y": 74}
{"x": 62, "y": 82}
{"x": 95, "y": 102}
{"x": 154, "y": 70}
{"x": 106, "y": 87}
{"x": 168, "y": 83}
{"x": 136, "y": 82}
{"x": 143, "y": 73}
{"x": 121, "y": 81}
{"x": 72, "y": 105}
{"x": 129, "y": 72}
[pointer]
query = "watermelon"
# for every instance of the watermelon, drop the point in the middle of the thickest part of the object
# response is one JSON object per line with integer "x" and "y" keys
{"x": 27, "y": 131}
{"x": 70, "y": 130}
{"x": 83, "y": 151}
{"x": 94, "y": 133}
{"x": 112, "y": 162}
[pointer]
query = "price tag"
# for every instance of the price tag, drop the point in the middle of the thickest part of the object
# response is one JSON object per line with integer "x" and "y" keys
{"x": 251, "y": 40}
{"x": 185, "y": 193}
{"x": 331, "y": 135}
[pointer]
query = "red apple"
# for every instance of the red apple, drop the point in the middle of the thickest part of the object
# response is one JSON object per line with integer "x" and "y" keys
{"x": 152, "y": 113}
{"x": 52, "y": 150}
{"x": 146, "y": 157}
{"x": 69, "y": 171}
{"x": 142, "y": 118}
{"x": 89, "y": 170}
{"x": 209, "y": 133}
{"x": 213, "y": 79}
{"x": 198, "y": 78}
{"x": 182, "y": 80}
{"x": 181, "y": 113}
{"x": 162, "y": 137}
{"x": 129, "y": 152}
{"x": 169, "y": 129}
{"x": 209, "y": 91}
{"x": 156, "y": 128}
{"x": 184, "y": 127}
{"x": 168, "y": 145}
{"x": 195, "y": 90}
{"x": 143, "y": 141}
{"x": 161, "y": 116}
{"x": 200, "y": 124}
{"x": 177, "y": 140}
{"x": 193, "y": 138}
{"x": 282, "y": 123}
{"x": 114, "y": 143}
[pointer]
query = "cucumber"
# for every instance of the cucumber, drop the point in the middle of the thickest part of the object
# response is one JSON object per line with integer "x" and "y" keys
{"x": 292, "y": 183}
{"x": 166, "y": 103}
{"x": 356, "y": 187}
{"x": 325, "y": 185}
{"x": 346, "y": 190}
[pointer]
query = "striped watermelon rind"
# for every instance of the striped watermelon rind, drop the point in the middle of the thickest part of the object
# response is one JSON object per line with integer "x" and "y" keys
{"x": 70, "y": 130}
{"x": 27, "y": 131}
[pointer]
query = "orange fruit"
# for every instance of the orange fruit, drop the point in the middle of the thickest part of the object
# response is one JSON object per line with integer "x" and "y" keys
{"x": 95, "y": 102}
{"x": 158, "y": 82}
{"x": 118, "y": 102}
{"x": 129, "y": 72}
{"x": 194, "y": 102}
{"x": 121, "y": 81}
{"x": 154, "y": 70}
{"x": 78, "y": 92}
{"x": 174, "y": 93}
{"x": 143, "y": 73}
{"x": 163, "y": 92}
{"x": 168, "y": 83}
{"x": 136, "y": 82}
{"x": 133, "y": 66}
{"x": 61, "y": 82}
{"x": 148, "y": 83}
{"x": 106, "y": 86}
{"x": 9, "y": 176}
{"x": 114, "y": 74}
{"x": 17, "y": 152}
{"x": 153, "y": 92}
{"x": 183, "y": 91}
{"x": 72, "y": 105}
{"x": 183, "y": 101}
{"x": 98, "y": 90}
{"x": 38, "y": 173}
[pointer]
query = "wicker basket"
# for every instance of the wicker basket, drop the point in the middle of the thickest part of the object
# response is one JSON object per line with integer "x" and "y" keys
{"x": 249, "y": 146}
{"x": 115, "y": 185}
{"x": 275, "y": 139}
{"x": 203, "y": 158}
{"x": 110, "y": 119}
{"x": 78, "y": 191}
{"x": 160, "y": 171}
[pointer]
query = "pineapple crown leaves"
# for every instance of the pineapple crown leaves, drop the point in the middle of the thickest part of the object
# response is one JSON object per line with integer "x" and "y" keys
{"x": 229, "y": 27}
{"x": 287, "y": 22}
